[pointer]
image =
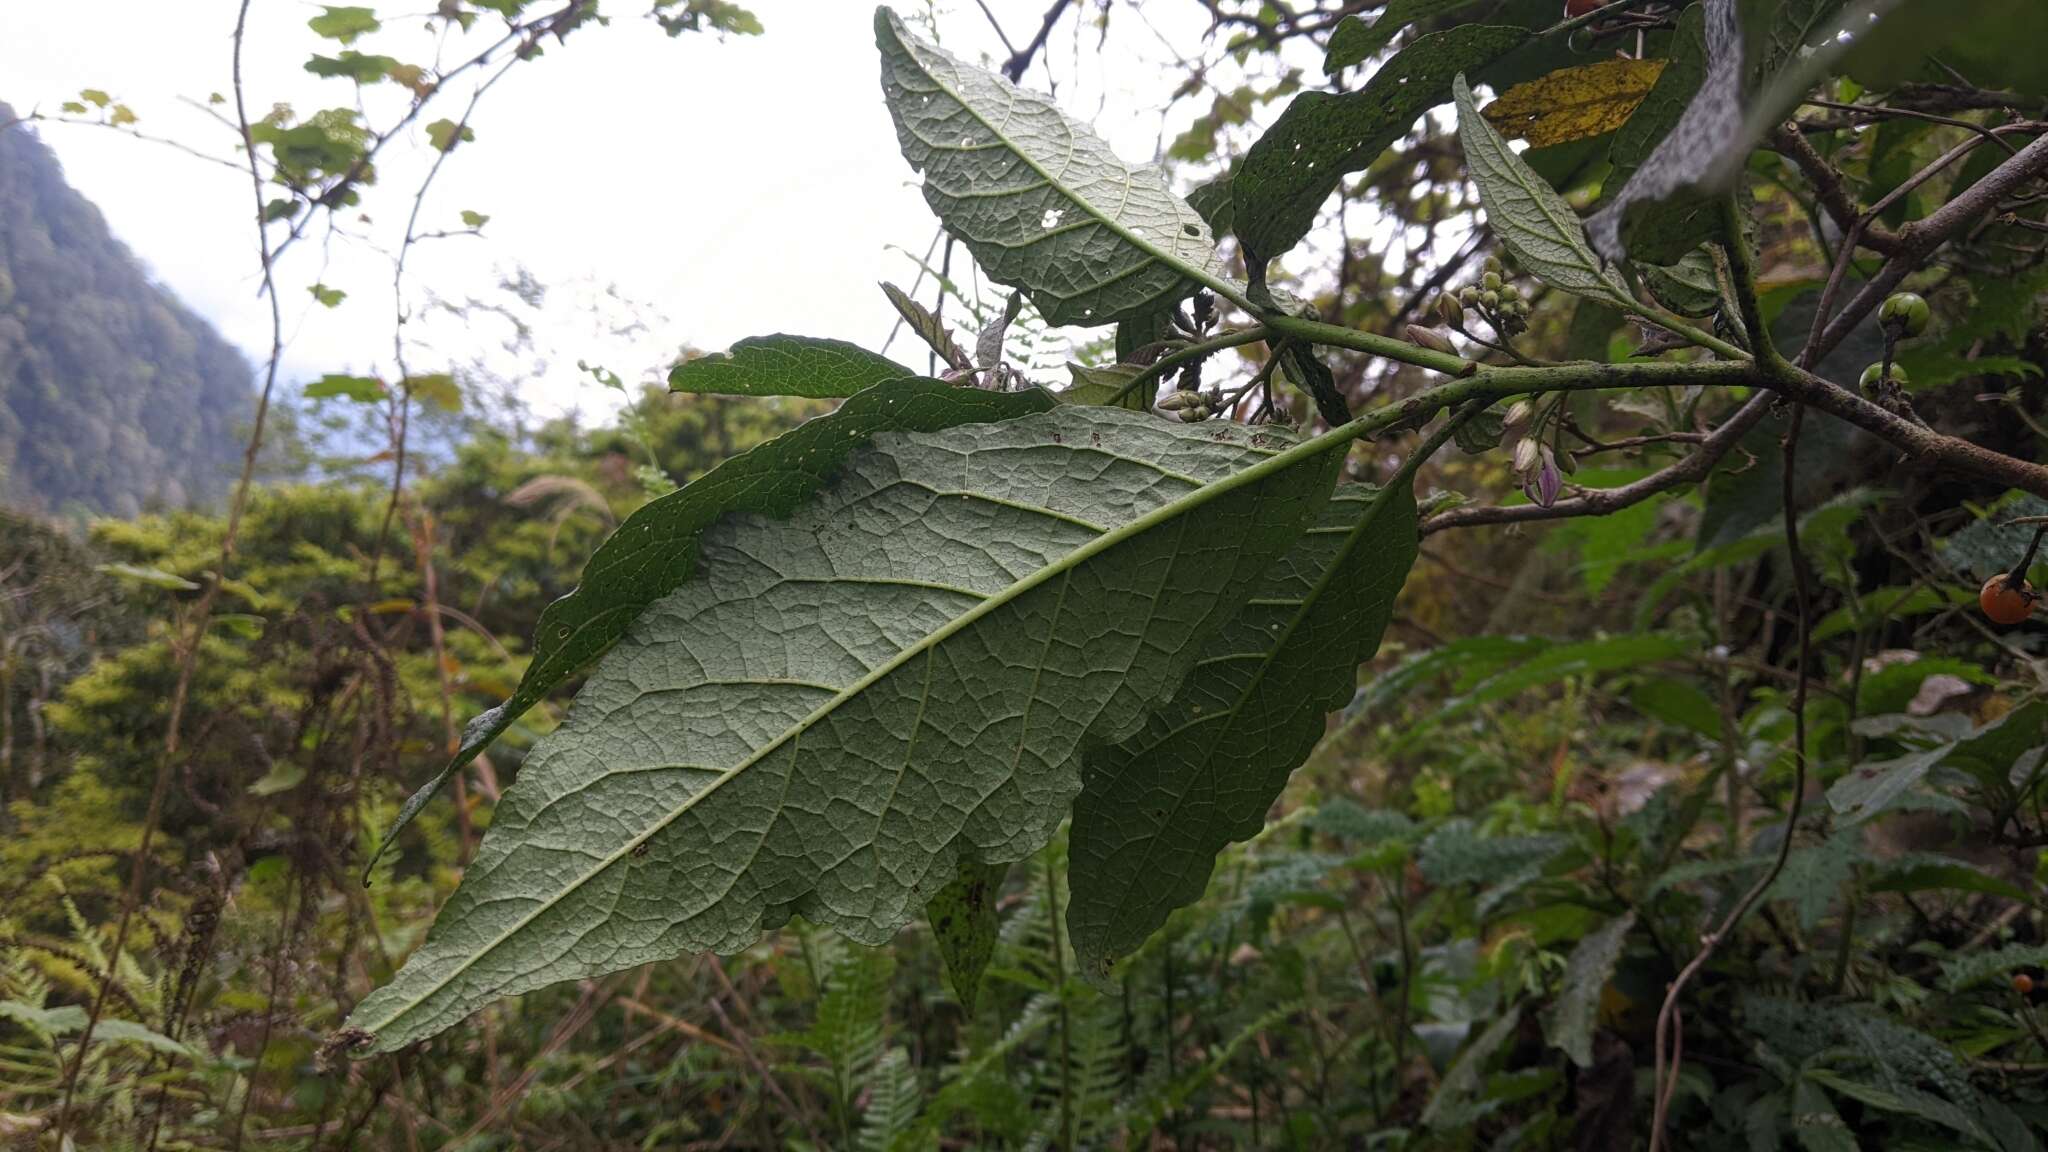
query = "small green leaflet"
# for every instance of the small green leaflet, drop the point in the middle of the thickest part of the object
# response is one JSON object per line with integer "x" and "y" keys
{"x": 656, "y": 548}
{"x": 437, "y": 389}
{"x": 1155, "y": 810}
{"x": 782, "y": 365}
{"x": 839, "y": 707}
{"x": 444, "y": 135}
{"x": 70, "y": 1019}
{"x": 1532, "y": 221}
{"x": 963, "y": 920}
{"x": 362, "y": 389}
{"x": 344, "y": 24}
{"x": 1690, "y": 287}
{"x": 1107, "y": 384}
{"x": 357, "y": 66}
{"x": 1041, "y": 201}
{"x": 1282, "y": 182}
{"x": 151, "y": 577}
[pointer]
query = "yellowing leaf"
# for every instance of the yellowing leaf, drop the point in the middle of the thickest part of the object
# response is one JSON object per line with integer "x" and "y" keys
{"x": 1574, "y": 103}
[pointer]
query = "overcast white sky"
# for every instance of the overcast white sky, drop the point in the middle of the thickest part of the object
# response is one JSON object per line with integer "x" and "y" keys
{"x": 735, "y": 188}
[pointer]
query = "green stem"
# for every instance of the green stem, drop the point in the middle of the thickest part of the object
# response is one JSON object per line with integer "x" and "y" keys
{"x": 1168, "y": 363}
{"x": 1742, "y": 270}
{"x": 1059, "y": 965}
{"x": 1316, "y": 332}
{"x": 1694, "y": 336}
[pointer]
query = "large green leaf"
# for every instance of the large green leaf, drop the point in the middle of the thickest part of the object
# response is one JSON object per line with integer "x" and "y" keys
{"x": 1989, "y": 752}
{"x": 839, "y": 707}
{"x": 1039, "y": 199}
{"x": 1997, "y": 40}
{"x": 1282, "y": 182}
{"x": 1532, "y": 221}
{"x": 1697, "y": 151}
{"x": 1654, "y": 118}
{"x": 786, "y": 366}
{"x": 656, "y": 548}
{"x": 1156, "y": 809}
{"x": 1355, "y": 41}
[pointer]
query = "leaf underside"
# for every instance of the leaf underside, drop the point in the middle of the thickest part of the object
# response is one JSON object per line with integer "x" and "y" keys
{"x": 656, "y": 548}
{"x": 783, "y": 365}
{"x": 1533, "y": 222}
{"x": 1156, "y": 809}
{"x": 839, "y": 707}
{"x": 1039, "y": 199}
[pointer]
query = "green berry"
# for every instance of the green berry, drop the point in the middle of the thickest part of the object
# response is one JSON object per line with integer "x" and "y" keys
{"x": 1491, "y": 281}
{"x": 1469, "y": 296}
{"x": 1489, "y": 299}
{"x": 1874, "y": 374}
{"x": 1904, "y": 312}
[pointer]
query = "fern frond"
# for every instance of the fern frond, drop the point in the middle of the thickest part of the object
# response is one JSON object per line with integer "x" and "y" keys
{"x": 894, "y": 1098}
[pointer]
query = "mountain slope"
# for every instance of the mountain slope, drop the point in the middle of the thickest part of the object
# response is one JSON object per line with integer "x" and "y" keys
{"x": 113, "y": 397}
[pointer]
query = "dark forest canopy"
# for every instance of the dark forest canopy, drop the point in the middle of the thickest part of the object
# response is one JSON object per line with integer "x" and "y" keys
{"x": 113, "y": 396}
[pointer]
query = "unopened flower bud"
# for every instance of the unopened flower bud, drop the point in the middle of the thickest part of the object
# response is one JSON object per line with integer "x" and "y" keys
{"x": 1543, "y": 487}
{"x": 1449, "y": 310}
{"x": 1526, "y": 454}
{"x": 1431, "y": 339}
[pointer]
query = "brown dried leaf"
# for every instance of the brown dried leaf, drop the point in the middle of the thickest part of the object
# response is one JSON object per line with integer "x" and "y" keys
{"x": 1575, "y": 103}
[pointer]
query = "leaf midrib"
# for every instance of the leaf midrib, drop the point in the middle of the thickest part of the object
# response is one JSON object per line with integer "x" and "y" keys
{"x": 1165, "y": 513}
{"x": 1495, "y": 149}
{"x": 1202, "y": 276}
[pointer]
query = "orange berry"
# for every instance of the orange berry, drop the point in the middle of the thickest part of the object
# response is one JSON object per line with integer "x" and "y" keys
{"x": 2023, "y": 984}
{"x": 2004, "y": 603}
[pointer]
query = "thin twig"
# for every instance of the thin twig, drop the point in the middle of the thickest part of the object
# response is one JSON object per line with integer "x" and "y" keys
{"x": 1020, "y": 60}
{"x": 1920, "y": 238}
{"x": 1670, "y": 1030}
{"x": 187, "y": 647}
